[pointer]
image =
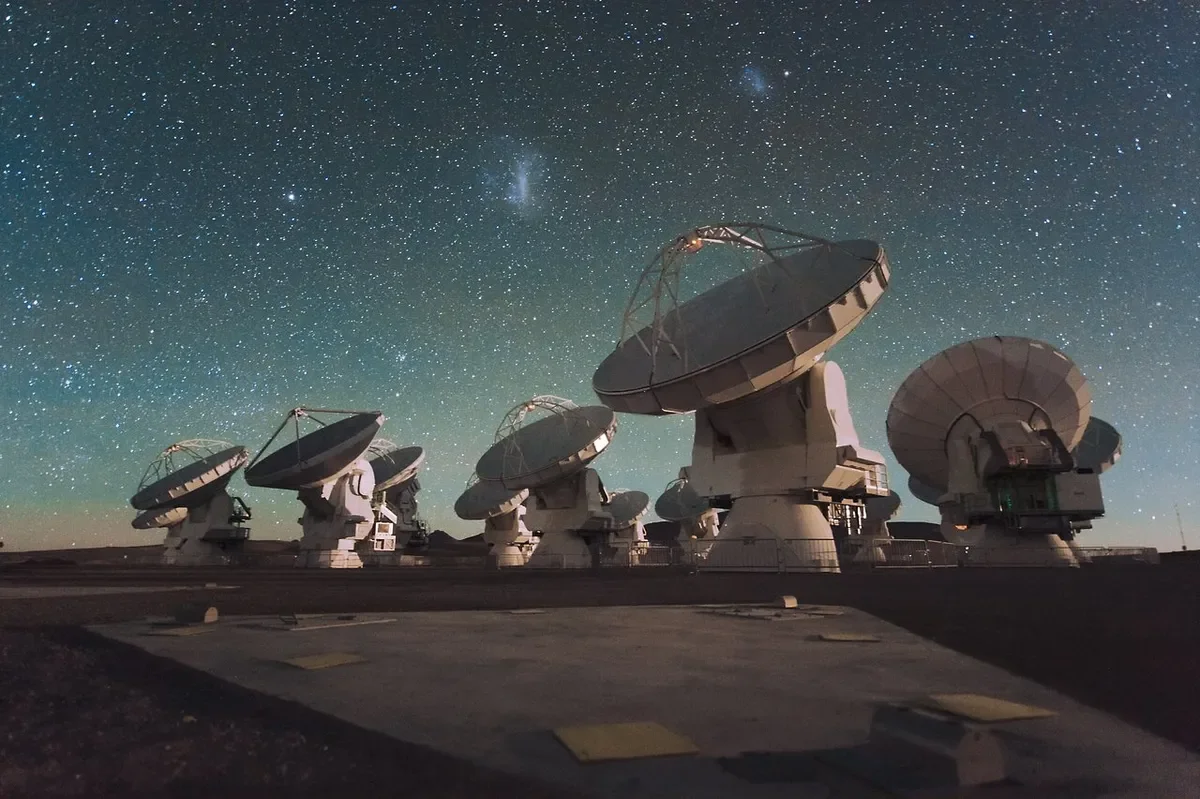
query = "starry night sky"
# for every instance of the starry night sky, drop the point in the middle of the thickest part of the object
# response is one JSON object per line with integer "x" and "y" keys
{"x": 213, "y": 212}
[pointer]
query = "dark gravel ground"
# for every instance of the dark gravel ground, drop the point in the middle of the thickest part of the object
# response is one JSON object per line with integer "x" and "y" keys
{"x": 1122, "y": 639}
{"x": 84, "y": 716}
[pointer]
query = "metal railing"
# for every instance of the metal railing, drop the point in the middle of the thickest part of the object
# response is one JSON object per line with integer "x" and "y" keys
{"x": 899, "y": 553}
{"x": 803, "y": 555}
{"x": 796, "y": 555}
{"x": 1063, "y": 556}
{"x": 761, "y": 554}
{"x": 856, "y": 554}
{"x": 1104, "y": 555}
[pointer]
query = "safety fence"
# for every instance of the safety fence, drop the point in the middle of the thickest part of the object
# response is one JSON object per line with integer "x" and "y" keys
{"x": 1116, "y": 555}
{"x": 801, "y": 555}
{"x": 900, "y": 553}
{"x": 859, "y": 554}
{"x": 1063, "y": 556}
{"x": 762, "y": 554}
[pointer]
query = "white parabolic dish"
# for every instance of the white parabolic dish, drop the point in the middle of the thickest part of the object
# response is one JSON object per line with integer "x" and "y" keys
{"x": 1100, "y": 447}
{"x": 194, "y": 484}
{"x": 159, "y": 517}
{"x": 549, "y": 449}
{"x": 882, "y": 508}
{"x": 923, "y": 492}
{"x": 318, "y": 457}
{"x": 625, "y": 508}
{"x": 762, "y": 327}
{"x": 486, "y": 499}
{"x": 971, "y": 386}
{"x": 392, "y": 467}
{"x": 680, "y": 502}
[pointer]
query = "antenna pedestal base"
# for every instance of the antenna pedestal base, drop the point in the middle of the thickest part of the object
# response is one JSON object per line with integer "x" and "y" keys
{"x": 206, "y": 537}
{"x": 338, "y": 519}
{"x": 509, "y": 539}
{"x": 628, "y": 546}
{"x": 796, "y": 436}
{"x": 503, "y": 556}
{"x": 401, "y": 501}
{"x": 774, "y": 532}
{"x": 560, "y": 510}
{"x": 699, "y": 531}
{"x": 329, "y": 559}
{"x": 997, "y": 545}
{"x": 562, "y": 549}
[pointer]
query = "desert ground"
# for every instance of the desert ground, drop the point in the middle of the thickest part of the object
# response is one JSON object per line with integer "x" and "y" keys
{"x": 88, "y": 716}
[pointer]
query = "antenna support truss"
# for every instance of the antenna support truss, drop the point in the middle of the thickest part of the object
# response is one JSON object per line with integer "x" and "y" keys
{"x": 178, "y": 455}
{"x": 656, "y": 294}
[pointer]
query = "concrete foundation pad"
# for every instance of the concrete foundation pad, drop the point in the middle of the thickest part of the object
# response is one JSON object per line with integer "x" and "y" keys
{"x": 492, "y": 687}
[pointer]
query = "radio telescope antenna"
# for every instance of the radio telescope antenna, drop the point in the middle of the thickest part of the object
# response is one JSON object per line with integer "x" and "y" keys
{"x": 774, "y": 437}
{"x": 545, "y": 439}
{"x": 537, "y": 473}
{"x": 392, "y": 464}
{"x": 331, "y": 477}
{"x": 619, "y": 524}
{"x": 183, "y": 490}
{"x": 999, "y": 430}
{"x": 395, "y": 498}
{"x": 502, "y": 512}
{"x": 695, "y": 515}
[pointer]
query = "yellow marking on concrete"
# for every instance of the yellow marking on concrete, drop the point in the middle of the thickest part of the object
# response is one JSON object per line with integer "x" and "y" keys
{"x": 594, "y": 743}
{"x": 977, "y": 707}
{"x": 850, "y": 637}
{"x": 324, "y": 661}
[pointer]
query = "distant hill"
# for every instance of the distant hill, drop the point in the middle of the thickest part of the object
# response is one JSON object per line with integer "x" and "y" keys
{"x": 441, "y": 541}
{"x": 916, "y": 531}
{"x": 85, "y": 554}
{"x": 117, "y": 556}
{"x": 271, "y": 547}
{"x": 662, "y": 532}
